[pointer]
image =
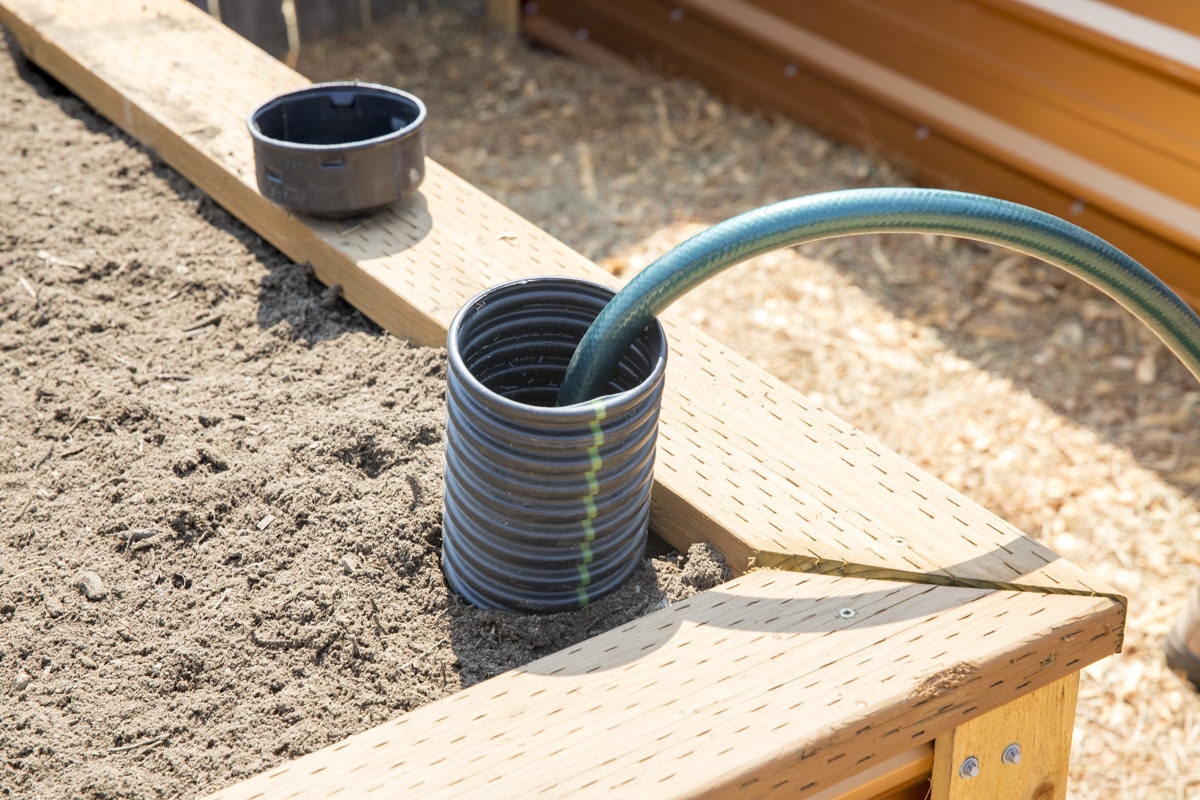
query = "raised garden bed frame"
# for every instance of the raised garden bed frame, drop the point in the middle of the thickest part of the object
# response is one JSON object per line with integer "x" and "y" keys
{"x": 878, "y": 613}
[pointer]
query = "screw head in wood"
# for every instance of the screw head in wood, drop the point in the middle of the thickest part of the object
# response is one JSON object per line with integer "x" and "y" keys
{"x": 1012, "y": 754}
{"x": 969, "y": 768}
{"x": 846, "y": 613}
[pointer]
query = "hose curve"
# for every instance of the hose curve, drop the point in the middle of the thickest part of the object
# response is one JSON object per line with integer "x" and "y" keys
{"x": 887, "y": 210}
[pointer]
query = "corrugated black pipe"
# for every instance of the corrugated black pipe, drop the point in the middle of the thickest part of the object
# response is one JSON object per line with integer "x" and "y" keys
{"x": 546, "y": 507}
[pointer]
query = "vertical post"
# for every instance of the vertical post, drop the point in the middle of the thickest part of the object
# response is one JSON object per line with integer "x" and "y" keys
{"x": 1019, "y": 751}
{"x": 505, "y": 13}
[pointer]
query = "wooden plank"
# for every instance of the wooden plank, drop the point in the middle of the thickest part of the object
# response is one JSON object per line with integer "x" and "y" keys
{"x": 1141, "y": 203}
{"x": 761, "y": 688}
{"x": 1066, "y": 91}
{"x": 744, "y": 461}
{"x": 900, "y": 777}
{"x": 1039, "y": 724}
{"x": 1159, "y": 33}
{"x": 763, "y": 61}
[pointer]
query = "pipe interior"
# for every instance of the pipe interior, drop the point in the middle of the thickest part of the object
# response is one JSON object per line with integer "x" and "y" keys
{"x": 519, "y": 347}
{"x": 336, "y": 116}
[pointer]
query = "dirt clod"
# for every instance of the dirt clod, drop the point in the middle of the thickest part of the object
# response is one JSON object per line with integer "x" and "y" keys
{"x": 92, "y": 587}
{"x": 705, "y": 567}
{"x": 54, "y": 606}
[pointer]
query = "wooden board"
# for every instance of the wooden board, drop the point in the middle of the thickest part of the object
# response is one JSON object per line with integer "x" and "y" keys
{"x": 761, "y": 688}
{"x": 909, "y": 79}
{"x": 902, "y": 777}
{"x": 1039, "y": 725}
{"x": 744, "y": 461}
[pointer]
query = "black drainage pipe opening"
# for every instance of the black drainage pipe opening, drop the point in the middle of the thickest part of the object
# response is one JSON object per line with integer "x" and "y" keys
{"x": 339, "y": 149}
{"x": 546, "y": 508}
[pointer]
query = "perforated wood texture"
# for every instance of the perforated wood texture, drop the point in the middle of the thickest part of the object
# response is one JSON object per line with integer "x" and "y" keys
{"x": 761, "y": 688}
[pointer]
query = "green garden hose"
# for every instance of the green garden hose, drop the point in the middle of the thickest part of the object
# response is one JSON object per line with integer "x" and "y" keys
{"x": 859, "y": 211}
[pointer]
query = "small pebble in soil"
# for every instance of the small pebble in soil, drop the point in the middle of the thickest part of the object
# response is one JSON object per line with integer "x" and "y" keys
{"x": 349, "y": 566}
{"x": 54, "y": 606}
{"x": 87, "y": 661}
{"x": 92, "y": 587}
{"x": 22, "y": 681}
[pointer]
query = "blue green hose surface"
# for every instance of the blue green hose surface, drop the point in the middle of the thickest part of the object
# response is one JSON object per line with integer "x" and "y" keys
{"x": 861, "y": 211}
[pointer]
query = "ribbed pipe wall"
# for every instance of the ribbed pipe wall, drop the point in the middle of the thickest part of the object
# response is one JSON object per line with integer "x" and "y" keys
{"x": 546, "y": 508}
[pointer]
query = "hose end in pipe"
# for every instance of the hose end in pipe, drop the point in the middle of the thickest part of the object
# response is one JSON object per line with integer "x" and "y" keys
{"x": 546, "y": 507}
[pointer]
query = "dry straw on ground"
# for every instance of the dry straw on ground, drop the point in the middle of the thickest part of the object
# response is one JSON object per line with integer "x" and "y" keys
{"x": 1029, "y": 391}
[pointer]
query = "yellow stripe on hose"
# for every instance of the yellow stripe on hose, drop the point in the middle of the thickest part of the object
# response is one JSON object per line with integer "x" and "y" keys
{"x": 589, "y": 500}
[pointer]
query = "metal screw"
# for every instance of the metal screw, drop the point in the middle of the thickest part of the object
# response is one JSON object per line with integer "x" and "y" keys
{"x": 900, "y": 541}
{"x": 1012, "y": 754}
{"x": 969, "y": 768}
{"x": 846, "y": 613}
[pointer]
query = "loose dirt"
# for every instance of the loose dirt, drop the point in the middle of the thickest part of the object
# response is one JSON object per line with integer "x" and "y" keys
{"x": 220, "y": 488}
